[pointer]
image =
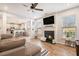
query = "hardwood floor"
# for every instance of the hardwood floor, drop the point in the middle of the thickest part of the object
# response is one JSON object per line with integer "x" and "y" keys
{"x": 55, "y": 49}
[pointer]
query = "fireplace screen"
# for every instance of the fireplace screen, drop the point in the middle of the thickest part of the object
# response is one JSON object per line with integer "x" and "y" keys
{"x": 49, "y": 33}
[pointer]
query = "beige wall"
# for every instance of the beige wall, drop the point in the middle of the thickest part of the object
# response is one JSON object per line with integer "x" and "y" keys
{"x": 0, "y": 25}
{"x": 59, "y": 21}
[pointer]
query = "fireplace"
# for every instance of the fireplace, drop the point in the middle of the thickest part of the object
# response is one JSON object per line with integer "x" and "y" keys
{"x": 49, "y": 36}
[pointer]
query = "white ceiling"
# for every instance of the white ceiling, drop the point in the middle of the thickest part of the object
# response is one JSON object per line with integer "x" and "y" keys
{"x": 55, "y": 7}
{"x": 22, "y": 11}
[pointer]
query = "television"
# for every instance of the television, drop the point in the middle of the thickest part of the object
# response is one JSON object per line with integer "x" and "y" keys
{"x": 48, "y": 20}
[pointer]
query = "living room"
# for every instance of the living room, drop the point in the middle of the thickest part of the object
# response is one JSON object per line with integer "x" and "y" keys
{"x": 45, "y": 28}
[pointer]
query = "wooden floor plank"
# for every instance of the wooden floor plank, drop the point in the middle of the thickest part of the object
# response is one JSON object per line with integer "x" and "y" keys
{"x": 56, "y": 49}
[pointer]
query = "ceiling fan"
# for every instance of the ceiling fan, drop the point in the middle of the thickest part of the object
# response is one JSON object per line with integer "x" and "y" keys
{"x": 33, "y": 7}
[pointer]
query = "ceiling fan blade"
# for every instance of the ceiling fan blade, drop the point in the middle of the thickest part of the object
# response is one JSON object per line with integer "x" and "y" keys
{"x": 34, "y": 5}
{"x": 39, "y": 9}
{"x": 25, "y": 5}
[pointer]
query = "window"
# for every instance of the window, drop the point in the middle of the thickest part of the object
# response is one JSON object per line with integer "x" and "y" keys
{"x": 69, "y": 28}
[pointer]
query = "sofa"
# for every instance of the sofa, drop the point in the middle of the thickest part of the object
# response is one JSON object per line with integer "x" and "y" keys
{"x": 6, "y": 36}
{"x": 19, "y": 47}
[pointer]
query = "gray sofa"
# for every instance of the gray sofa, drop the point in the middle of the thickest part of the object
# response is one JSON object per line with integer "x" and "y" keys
{"x": 9, "y": 47}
